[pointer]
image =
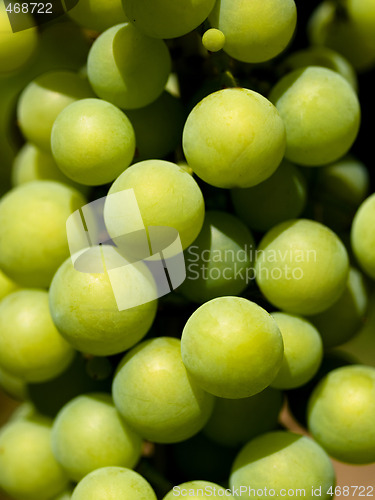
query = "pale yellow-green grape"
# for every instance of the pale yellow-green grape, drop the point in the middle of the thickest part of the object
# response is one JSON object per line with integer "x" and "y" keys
{"x": 85, "y": 311}
{"x": 7, "y": 285}
{"x": 156, "y": 396}
{"x": 343, "y": 319}
{"x": 213, "y": 40}
{"x": 33, "y": 240}
{"x": 165, "y": 19}
{"x": 28, "y": 469}
{"x": 128, "y": 68}
{"x": 341, "y": 414}
{"x": 329, "y": 28}
{"x": 232, "y": 347}
{"x": 194, "y": 490}
{"x": 321, "y": 113}
{"x": 167, "y": 195}
{"x": 234, "y": 138}
{"x": 363, "y": 236}
{"x": 89, "y": 433}
{"x": 280, "y": 197}
{"x": 158, "y": 127}
{"x": 98, "y": 15}
{"x": 220, "y": 259}
{"x": 16, "y": 48}
{"x": 255, "y": 31}
{"x": 14, "y": 386}
{"x": 303, "y": 351}
{"x": 92, "y": 141}
{"x": 362, "y": 14}
{"x": 302, "y": 266}
{"x": 283, "y": 461}
{"x": 30, "y": 345}
{"x": 322, "y": 56}
{"x": 43, "y": 99}
{"x": 34, "y": 164}
{"x": 235, "y": 421}
{"x": 113, "y": 483}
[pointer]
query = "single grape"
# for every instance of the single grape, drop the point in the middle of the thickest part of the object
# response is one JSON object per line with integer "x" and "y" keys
{"x": 362, "y": 14}
{"x": 156, "y": 396}
{"x": 213, "y": 40}
{"x": 84, "y": 308}
{"x": 88, "y": 434}
{"x": 280, "y": 461}
{"x": 343, "y": 319}
{"x": 128, "y": 68}
{"x": 321, "y": 113}
{"x": 92, "y": 141}
{"x": 113, "y": 483}
{"x": 97, "y": 15}
{"x": 43, "y": 99}
{"x": 286, "y": 188}
{"x": 238, "y": 354}
{"x": 289, "y": 259}
{"x": 14, "y": 386}
{"x": 166, "y": 195}
{"x": 7, "y": 285}
{"x": 33, "y": 239}
{"x": 234, "y": 138}
{"x": 220, "y": 259}
{"x": 17, "y": 48}
{"x": 363, "y": 236}
{"x": 255, "y": 31}
{"x": 28, "y": 469}
{"x": 198, "y": 489}
{"x": 303, "y": 351}
{"x": 235, "y": 421}
{"x": 341, "y": 413}
{"x": 158, "y": 127}
{"x": 30, "y": 346}
{"x": 163, "y": 19}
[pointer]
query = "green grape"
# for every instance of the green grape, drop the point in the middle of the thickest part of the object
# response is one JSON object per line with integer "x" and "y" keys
{"x": 237, "y": 355}
{"x": 28, "y": 469}
{"x": 166, "y": 194}
{"x": 363, "y": 236}
{"x": 325, "y": 57}
{"x": 85, "y": 311}
{"x": 343, "y": 319}
{"x": 158, "y": 127}
{"x": 127, "y": 68}
{"x": 33, "y": 239}
{"x": 26, "y": 411}
{"x": 16, "y": 48}
{"x": 30, "y": 345}
{"x": 362, "y": 13}
{"x": 220, "y": 259}
{"x": 234, "y": 138}
{"x": 341, "y": 414}
{"x": 92, "y": 141}
{"x": 291, "y": 256}
{"x": 328, "y": 27}
{"x": 235, "y": 421}
{"x": 164, "y": 19}
{"x": 255, "y": 31}
{"x": 7, "y": 285}
{"x": 113, "y": 483}
{"x": 286, "y": 188}
{"x": 213, "y": 40}
{"x": 321, "y": 113}
{"x": 34, "y": 164}
{"x": 155, "y": 394}
{"x": 14, "y": 386}
{"x": 43, "y": 99}
{"x": 283, "y": 461}
{"x": 303, "y": 351}
{"x": 98, "y": 15}
{"x": 198, "y": 489}
{"x": 88, "y": 434}
{"x": 67, "y": 495}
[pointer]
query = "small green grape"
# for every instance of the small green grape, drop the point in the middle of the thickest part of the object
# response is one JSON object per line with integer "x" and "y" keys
{"x": 97, "y": 15}
{"x": 15, "y": 386}
{"x": 363, "y": 236}
{"x": 213, "y": 40}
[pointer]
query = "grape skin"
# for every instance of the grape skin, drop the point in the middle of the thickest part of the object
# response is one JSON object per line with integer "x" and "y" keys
{"x": 98, "y": 15}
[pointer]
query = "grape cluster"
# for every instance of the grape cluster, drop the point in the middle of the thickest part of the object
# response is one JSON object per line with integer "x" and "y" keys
{"x": 235, "y": 124}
